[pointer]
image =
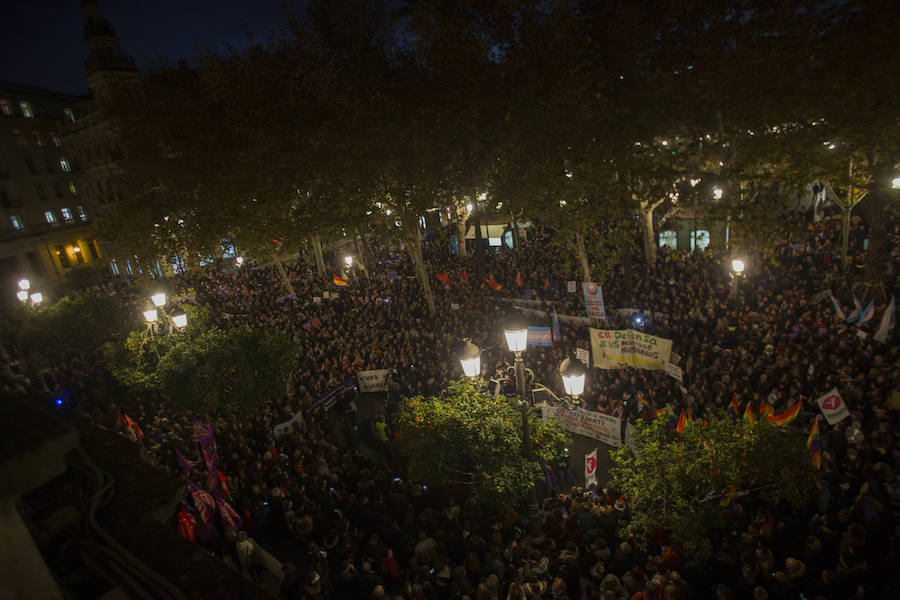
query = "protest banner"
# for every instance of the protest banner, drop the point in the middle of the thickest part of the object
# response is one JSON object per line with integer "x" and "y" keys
{"x": 593, "y": 300}
{"x": 570, "y": 287}
{"x": 372, "y": 381}
{"x": 673, "y": 371}
{"x": 584, "y": 355}
{"x": 833, "y": 407}
{"x": 590, "y": 468}
{"x": 591, "y": 424}
{"x": 616, "y": 348}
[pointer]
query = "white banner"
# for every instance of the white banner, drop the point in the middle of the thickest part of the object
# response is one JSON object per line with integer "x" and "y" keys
{"x": 616, "y": 348}
{"x": 570, "y": 287}
{"x": 454, "y": 306}
{"x": 673, "y": 371}
{"x": 317, "y": 300}
{"x": 372, "y": 381}
{"x": 594, "y": 425}
{"x": 590, "y": 468}
{"x": 584, "y": 355}
{"x": 833, "y": 407}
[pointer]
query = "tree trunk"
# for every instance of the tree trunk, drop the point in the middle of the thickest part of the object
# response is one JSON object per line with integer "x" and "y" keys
{"x": 845, "y": 232}
{"x": 461, "y": 231}
{"x": 283, "y": 274}
{"x": 647, "y": 230}
{"x": 320, "y": 260}
{"x": 582, "y": 257}
{"x": 514, "y": 227}
{"x": 415, "y": 254}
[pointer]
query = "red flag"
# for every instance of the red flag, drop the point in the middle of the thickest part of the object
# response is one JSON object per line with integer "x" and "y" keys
{"x": 464, "y": 276}
{"x": 186, "y": 524}
{"x": 682, "y": 421}
{"x": 222, "y": 480}
{"x": 519, "y": 281}
{"x": 493, "y": 283}
{"x": 546, "y": 283}
{"x": 135, "y": 428}
{"x": 120, "y": 420}
{"x": 445, "y": 277}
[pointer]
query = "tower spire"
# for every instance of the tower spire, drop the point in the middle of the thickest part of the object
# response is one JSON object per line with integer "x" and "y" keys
{"x": 105, "y": 54}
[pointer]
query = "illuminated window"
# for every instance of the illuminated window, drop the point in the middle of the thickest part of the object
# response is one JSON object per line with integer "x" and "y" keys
{"x": 26, "y": 109}
{"x": 49, "y": 216}
{"x": 20, "y": 137}
{"x": 70, "y": 115}
{"x": 5, "y": 107}
{"x": 37, "y": 138}
{"x": 81, "y": 214}
{"x": 15, "y": 222}
{"x": 66, "y": 214}
{"x": 64, "y": 164}
{"x": 72, "y": 188}
{"x": 668, "y": 239}
{"x": 114, "y": 267}
{"x": 699, "y": 239}
{"x": 55, "y": 139}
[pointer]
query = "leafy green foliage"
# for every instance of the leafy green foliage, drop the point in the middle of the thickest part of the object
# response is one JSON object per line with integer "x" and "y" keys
{"x": 235, "y": 370}
{"x": 134, "y": 361}
{"x": 679, "y": 480}
{"x": 470, "y": 439}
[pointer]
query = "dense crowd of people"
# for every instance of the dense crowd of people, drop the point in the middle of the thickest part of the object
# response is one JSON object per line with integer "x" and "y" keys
{"x": 357, "y": 528}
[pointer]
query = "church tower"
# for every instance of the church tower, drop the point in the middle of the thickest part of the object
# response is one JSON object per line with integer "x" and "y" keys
{"x": 109, "y": 71}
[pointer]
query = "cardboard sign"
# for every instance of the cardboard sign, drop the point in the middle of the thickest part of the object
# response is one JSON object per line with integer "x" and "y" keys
{"x": 833, "y": 407}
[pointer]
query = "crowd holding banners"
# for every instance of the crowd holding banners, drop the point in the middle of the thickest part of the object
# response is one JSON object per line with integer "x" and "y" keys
{"x": 774, "y": 345}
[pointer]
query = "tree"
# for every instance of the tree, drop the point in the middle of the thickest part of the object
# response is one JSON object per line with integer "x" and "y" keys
{"x": 680, "y": 480}
{"x": 473, "y": 440}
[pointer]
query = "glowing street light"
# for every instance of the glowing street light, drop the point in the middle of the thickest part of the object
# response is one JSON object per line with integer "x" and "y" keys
{"x": 180, "y": 319}
{"x": 37, "y": 298}
{"x": 159, "y": 299}
{"x": 239, "y": 260}
{"x": 717, "y": 193}
{"x": 22, "y": 295}
{"x": 348, "y": 260}
{"x": 573, "y": 373}
{"x": 150, "y": 315}
{"x": 516, "y": 331}
{"x": 470, "y": 358}
{"x": 896, "y": 183}
{"x": 24, "y": 284}
{"x": 737, "y": 265}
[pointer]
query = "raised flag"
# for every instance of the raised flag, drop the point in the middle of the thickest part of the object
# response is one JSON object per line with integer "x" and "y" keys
{"x": 887, "y": 322}
{"x": 539, "y": 336}
{"x": 733, "y": 407}
{"x": 787, "y": 416}
{"x": 867, "y": 314}
{"x": 340, "y": 281}
{"x": 203, "y": 501}
{"x": 546, "y": 283}
{"x": 186, "y": 524}
{"x": 748, "y": 416}
{"x": 227, "y": 513}
{"x": 445, "y": 276}
{"x": 643, "y": 404}
{"x": 766, "y": 409}
{"x": 593, "y": 300}
{"x": 464, "y": 276}
{"x": 557, "y": 334}
{"x": 187, "y": 464}
{"x": 833, "y": 407}
{"x": 519, "y": 281}
{"x": 853, "y": 317}
{"x": 492, "y": 283}
{"x": 837, "y": 306}
{"x": 682, "y": 421}
{"x": 590, "y": 468}
{"x": 120, "y": 420}
{"x": 135, "y": 428}
{"x": 814, "y": 444}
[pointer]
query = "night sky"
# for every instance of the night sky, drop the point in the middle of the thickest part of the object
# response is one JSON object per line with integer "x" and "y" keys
{"x": 41, "y": 42}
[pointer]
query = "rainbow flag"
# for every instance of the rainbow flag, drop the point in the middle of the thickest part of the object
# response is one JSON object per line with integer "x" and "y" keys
{"x": 814, "y": 443}
{"x": 787, "y": 416}
{"x": 340, "y": 281}
{"x": 748, "y": 416}
{"x": 766, "y": 409}
{"x": 728, "y": 496}
{"x": 733, "y": 407}
{"x": 682, "y": 421}
{"x": 643, "y": 404}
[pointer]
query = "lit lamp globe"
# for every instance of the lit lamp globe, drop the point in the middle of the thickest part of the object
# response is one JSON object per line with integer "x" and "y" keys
{"x": 737, "y": 265}
{"x": 159, "y": 300}
{"x": 573, "y": 373}
{"x": 895, "y": 183}
{"x": 348, "y": 260}
{"x": 515, "y": 328}
{"x": 180, "y": 319}
{"x": 37, "y": 298}
{"x": 150, "y": 315}
{"x": 24, "y": 284}
{"x": 22, "y": 295}
{"x": 470, "y": 358}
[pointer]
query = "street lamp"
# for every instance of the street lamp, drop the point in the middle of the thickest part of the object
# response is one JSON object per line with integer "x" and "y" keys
{"x": 470, "y": 358}
{"x": 573, "y": 373}
{"x": 737, "y": 265}
{"x": 24, "y": 284}
{"x": 717, "y": 193}
{"x": 158, "y": 299}
{"x": 22, "y": 295}
{"x": 348, "y": 260}
{"x": 895, "y": 183}
{"x": 37, "y": 298}
{"x": 239, "y": 260}
{"x": 180, "y": 319}
{"x": 150, "y": 315}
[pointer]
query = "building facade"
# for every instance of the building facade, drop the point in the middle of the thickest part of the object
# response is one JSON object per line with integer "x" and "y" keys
{"x": 47, "y": 227}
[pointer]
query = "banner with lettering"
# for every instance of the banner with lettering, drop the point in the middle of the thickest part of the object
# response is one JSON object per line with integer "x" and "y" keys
{"x": 372, "y": 381}
{"x": 591, "y": 424}
{"x": 593, "y": 300}
{"x": 615, "y": 348}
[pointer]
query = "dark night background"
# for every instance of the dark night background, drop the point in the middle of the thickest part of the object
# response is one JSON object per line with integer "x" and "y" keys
{"x": 41, "y": 41}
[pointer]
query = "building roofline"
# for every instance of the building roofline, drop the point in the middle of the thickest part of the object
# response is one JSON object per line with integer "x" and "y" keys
{"x": 18, "y": 88}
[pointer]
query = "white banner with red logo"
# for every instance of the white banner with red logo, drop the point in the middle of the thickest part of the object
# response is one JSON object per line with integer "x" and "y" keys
{"x": 591, "y": 424}
{"x": 590, "y": 468}
{"x": 833, "y": 407}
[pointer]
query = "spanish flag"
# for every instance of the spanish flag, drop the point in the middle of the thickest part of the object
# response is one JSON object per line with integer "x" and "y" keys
{"x": 445, "y": 276}
{"x": 749, "y": 417}
{"x": 493, "y": 283}
{"x": 340, "y": 281}
{"x": 519, "y": 281}
{"x": 814, "y": 443}
{"x": 682, "y": 421}
{"x": 787, "y": 416}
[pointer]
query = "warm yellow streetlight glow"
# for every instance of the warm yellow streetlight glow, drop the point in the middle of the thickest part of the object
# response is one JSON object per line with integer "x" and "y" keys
{"x": 896, "y": 183}
{"x": 24, "y": 284}
{"x": 469, "y": 207}
{"x": 348, "y": 260}
{"x": 159, "y": 300}
{"x": 150, "y": 315}
{"x": 737, "y": 265}
{"x": 76, "y": 249}
{"x": 717, "y": 193}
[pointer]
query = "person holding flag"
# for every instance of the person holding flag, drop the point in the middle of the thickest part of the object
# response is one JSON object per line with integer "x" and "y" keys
{"x": 557, "y": 334}
{"x": 887, "y": 322}
{"x": 814, "y": 444}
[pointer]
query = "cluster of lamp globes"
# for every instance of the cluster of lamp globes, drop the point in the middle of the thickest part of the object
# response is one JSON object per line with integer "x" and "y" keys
{"x": 571, "y": 369}
{"x": 24, "y": 295}
{"x": 179, "y": 318}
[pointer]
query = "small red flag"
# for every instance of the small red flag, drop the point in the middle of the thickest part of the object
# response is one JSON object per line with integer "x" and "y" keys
{"x": 493, "y": 283}
{"x": 546, "y": 283}
{"x": 445, "y": 276}
{"x": 464, "y": 276}
{"x": 519, "y": 281}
